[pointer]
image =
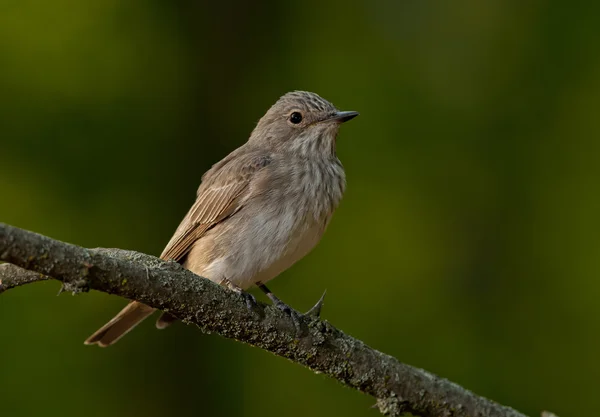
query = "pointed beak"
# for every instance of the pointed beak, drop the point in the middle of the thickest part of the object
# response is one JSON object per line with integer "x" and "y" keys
{"x": 343, "y": 116}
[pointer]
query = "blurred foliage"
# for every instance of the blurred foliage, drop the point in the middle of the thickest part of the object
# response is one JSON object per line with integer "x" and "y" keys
{"x": 467, "y": 243}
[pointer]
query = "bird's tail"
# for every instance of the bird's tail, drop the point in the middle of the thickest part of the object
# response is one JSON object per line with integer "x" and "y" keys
{"x": 127, "y": 319}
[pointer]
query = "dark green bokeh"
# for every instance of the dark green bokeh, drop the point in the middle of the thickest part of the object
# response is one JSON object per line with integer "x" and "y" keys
{"x": 468, "y": 242}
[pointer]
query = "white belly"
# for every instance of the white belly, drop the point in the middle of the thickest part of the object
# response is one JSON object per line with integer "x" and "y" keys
{"x": 298, "y": 247}
{"x": 267, "y": 247}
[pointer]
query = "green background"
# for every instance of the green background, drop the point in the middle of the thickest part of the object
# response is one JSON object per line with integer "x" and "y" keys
{"x": 467, "y": 244}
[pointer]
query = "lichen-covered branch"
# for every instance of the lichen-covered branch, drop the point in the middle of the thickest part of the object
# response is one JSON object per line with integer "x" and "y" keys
{"x": 398, "y": 388}
{"x": 12, "y": 276}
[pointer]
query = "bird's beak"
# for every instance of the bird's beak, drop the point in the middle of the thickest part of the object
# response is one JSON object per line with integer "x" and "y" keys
{"x": 343, "y": 116}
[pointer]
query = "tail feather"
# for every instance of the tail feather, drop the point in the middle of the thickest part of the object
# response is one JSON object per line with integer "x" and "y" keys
{"x": 127, "y": 319}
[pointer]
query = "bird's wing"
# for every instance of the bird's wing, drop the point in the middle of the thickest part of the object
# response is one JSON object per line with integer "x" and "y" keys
{"x": 222, "y": 193}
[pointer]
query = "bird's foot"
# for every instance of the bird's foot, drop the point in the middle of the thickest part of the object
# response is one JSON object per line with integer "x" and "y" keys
{"x": 296, "y": 316}
{"x": 250, "y": 300}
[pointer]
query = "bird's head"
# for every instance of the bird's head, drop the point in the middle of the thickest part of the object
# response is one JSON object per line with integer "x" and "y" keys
{"x": 301, "y": 122}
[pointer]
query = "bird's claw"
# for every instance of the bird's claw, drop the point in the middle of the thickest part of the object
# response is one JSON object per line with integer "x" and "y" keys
{"x": 250, "y": 300}
{"x": 294, "y": 315}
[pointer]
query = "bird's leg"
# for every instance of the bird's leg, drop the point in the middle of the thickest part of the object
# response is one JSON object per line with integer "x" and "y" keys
{"x": 315, "y": 311}
{"x": 249, "y": 298}
{"x": 274, "y": 299}
{"x": 281, "y": 305}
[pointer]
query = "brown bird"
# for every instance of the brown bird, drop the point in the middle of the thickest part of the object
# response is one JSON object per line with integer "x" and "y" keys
{"x": 260, "y": 209}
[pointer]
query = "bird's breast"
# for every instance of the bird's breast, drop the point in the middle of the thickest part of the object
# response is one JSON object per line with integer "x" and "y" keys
{"x": 279, "y": 225}
{"x": 317, "y": 187}
{"x": 305, "y": 205}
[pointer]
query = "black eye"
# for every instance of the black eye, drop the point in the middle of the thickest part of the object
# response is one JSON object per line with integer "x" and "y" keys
{"x": 295, "y": 117}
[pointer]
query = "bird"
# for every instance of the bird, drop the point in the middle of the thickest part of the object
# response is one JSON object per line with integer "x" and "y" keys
{"x": 260, "y": 209}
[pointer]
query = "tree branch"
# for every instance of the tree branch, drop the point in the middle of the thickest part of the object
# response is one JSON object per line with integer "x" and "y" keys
{"x": 11, "y": 276}
{"x": 398, "y": 388}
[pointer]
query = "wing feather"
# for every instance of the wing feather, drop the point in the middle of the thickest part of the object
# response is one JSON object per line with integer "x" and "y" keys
{"x": 221, "y": 194}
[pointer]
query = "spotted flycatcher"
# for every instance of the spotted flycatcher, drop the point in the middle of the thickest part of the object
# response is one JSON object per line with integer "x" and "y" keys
{"x": 260, "y": 209}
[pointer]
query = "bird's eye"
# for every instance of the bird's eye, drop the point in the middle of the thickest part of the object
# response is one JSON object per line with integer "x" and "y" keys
{"x": 296, "y": 117}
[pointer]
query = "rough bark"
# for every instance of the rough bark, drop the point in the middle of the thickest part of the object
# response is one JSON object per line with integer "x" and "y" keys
{"x": 397, "y": 387}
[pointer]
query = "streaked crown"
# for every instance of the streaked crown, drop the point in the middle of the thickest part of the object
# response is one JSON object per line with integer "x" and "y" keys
{"x": 307, "y": 101}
